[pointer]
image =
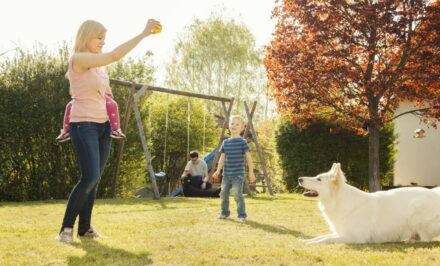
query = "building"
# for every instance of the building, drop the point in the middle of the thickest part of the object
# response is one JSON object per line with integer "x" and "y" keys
{"x": 417, "y": 159}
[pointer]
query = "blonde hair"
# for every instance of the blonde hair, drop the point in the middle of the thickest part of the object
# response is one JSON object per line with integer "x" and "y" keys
{"x": 88, "y": 30}
{"x": 236, "y": 117}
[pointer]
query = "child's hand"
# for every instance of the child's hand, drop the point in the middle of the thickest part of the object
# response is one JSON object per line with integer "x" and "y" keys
{"x": 251, "y": 177}
{"x": 216, "y": 174}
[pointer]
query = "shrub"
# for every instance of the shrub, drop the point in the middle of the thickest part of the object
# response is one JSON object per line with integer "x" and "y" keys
{"x": 310, "y": 151}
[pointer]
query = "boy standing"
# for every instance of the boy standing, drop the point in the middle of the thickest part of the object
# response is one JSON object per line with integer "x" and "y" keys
{"x": 234, "y": 152}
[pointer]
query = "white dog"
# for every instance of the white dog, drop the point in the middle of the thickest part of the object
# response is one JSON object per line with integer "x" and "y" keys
{"x": 355, "y": 216}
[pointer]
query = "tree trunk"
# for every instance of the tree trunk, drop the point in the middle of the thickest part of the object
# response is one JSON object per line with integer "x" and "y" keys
{"x": 373, "y": 157}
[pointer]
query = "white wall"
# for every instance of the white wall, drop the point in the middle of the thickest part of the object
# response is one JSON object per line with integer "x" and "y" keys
{"x": 417, "y": 159}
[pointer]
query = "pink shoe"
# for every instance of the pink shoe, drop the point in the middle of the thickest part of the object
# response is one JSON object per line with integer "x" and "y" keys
{"x": 63, "y": 136}
{"x": 117, "y": 134}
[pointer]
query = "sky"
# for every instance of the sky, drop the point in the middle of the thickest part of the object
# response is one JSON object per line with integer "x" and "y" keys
{"x": 23, "y": 23}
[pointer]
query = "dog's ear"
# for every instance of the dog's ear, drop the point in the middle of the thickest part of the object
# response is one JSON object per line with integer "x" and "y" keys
{"x": 333, "y": 167}
{"x": 337, "y": 174}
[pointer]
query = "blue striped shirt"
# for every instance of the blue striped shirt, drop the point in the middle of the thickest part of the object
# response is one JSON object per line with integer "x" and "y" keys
{"x": 234, "y": 150}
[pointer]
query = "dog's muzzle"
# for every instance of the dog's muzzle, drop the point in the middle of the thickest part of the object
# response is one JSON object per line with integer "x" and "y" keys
{"x": 308, "y": 192}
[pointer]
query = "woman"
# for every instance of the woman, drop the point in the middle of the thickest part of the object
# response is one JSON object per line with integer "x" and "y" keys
{"x": 89, "y": 125}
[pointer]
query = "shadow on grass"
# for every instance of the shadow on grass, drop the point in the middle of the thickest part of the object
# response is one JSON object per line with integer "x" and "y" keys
{"x": 275, "y": 197}
{"x": 274, "y": 229}
{"x": 394, "y": 246}
{"x": 99, "y": 254}
{"x": 162, "y": 201}
{"x": 263, "y": 197}
{"x": 158, "y": 205}
{"x": 111, "y": 201}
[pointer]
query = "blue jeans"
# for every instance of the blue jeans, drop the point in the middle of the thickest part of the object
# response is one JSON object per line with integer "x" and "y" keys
{"x": 91, "y": 142}
{"x": 176, "y": 192}
{"x": 236, "y": 183}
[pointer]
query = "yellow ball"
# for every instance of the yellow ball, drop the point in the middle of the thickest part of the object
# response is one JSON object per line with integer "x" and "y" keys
{"x": 156, "y": 29}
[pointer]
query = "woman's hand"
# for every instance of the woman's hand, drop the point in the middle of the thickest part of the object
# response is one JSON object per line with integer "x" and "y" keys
{"x": 149, "y": 27}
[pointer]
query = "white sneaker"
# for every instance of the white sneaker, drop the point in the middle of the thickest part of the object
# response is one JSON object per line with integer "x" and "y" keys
{"x": 91, "y": 233}
{"x": 222, "y": 217}
{"x": 66, "y": 236}
{"x": 242, "y": 220}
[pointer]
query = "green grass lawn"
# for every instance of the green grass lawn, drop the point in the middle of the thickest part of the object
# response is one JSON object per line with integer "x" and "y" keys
{"x": 185, "y": 231}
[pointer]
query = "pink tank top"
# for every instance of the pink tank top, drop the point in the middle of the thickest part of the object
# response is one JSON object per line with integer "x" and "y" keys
{"x": 88, "y": 89}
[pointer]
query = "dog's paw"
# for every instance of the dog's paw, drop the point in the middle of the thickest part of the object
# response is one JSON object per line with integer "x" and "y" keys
{"x": 313, "y": 242}
{"x": 320, "y": 241}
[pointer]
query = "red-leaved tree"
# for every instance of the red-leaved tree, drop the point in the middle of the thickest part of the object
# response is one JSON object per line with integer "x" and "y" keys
{"x": 354, "y": 62}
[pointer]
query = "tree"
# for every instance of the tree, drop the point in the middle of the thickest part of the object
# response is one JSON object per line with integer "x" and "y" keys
{"x": 33, "y": 95}
{"x": 217, "y": 57}
{"x": 354, "y": 61}
{"x": 139, "y": 70}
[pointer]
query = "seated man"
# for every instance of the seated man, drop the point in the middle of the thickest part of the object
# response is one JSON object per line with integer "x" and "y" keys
{"x": 198, "y": 170}
{"x": 196, "y": 174}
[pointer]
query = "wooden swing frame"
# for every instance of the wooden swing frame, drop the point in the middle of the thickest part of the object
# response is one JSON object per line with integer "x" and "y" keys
{"x": 135, "y": 91}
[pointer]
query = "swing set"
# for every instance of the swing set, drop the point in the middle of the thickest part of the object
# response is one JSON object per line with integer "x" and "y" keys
{"x": 135, "y": 91}
{"x": 162, "y": 173}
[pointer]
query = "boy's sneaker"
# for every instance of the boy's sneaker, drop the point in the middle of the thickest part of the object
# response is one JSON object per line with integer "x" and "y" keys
{"x": 117, "y": 134}
{"x": 63, "y": 136}
{"x": 91, "y": 233}
{"x": 66, "y": 236}
{"x": 222, "y": 217}
{"x": 242, "y": 220}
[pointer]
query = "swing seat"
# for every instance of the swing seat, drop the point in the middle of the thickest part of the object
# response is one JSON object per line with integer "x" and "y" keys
{"x": 160, "y": 175}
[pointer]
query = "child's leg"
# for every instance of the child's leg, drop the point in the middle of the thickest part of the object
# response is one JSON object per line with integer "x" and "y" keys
{"x": 67, "y": 116}
{"x": 112, "y": 112}
{"x": 64, "y": 135}
{"x": 237, "y": 186}
{"x": 224, "y": 196}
